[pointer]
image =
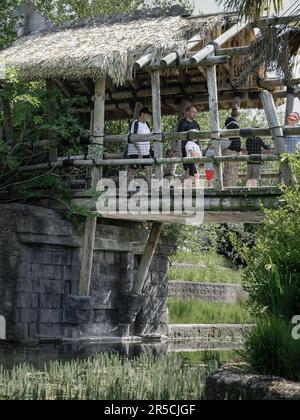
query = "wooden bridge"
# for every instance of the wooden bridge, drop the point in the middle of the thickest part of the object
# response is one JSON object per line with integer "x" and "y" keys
{"x": 108, "y": 99}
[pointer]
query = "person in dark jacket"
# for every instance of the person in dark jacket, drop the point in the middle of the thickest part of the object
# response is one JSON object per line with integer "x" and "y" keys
{"x": 188, "y": 123}
{"x": 254, "y": 146}
{"x": 231, "y": 169}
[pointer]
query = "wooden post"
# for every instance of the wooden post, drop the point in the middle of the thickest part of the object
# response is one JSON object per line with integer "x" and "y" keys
{"x": 277, "y": 133}
{"x": 145, "y": 264}
{"x": 157, "y": 122}
{"x": 95, "y": 152}
{"x": 214, "y": 117}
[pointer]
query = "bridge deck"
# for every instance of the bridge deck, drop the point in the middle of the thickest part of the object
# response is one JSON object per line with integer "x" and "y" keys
{"x": 233, "y": 205}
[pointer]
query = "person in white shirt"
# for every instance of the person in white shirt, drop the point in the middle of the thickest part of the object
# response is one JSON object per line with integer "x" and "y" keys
{"x": 140, "y": 150}
{"x": 193, "y": 150}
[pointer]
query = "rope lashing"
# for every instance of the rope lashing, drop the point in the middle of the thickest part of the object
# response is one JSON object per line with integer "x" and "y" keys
{"x": 215, "y": 45}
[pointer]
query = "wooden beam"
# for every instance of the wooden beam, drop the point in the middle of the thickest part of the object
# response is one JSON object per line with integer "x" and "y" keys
{"x": 126, "y": 162}
{"x": 277, "y": 20}
{"x": 231, "y": 52}
{"x": 214, "y": 117}
{"x": 86, "y": 87}
{"x": 276, "y": 129}
{"x": 205, "y": 135}
{"x": 221, "y": 40}
{"x": 157, "y": 120}
{"x": 147, "y": 258}
{"x": 95, "y": 152}
{"x": 271, "y": 83}
{"x": 190, "y": 63}
{"x": 63, "y": 87}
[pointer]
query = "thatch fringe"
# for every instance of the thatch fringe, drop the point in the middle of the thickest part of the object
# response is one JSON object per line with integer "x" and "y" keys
{"x": 107, "y": 49}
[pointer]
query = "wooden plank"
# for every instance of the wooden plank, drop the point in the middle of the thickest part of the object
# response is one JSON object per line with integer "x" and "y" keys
{"x": 272, "y": 83}
{"x": 276, "y": 129}
{"x": 214, "y": 117}
{"x": 157, "y": 120}
{"x": 221, "y": 40}
{"x": 63, "y": 87}
{"x": 95, "y": 152}
{"x": 147, "y": 258}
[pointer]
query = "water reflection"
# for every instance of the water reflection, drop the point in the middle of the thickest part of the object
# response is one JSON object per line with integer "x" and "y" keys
{"x": 37, "y": 355}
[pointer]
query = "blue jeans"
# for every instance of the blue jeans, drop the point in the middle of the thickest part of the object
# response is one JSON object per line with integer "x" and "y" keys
{"x": 292, "y": 144}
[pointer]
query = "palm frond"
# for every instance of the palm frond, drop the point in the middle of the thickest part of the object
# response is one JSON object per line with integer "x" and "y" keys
{"x": 252, "y": 9}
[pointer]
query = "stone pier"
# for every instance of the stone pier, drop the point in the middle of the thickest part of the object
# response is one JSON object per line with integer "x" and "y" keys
{"x": 40, "y": 257}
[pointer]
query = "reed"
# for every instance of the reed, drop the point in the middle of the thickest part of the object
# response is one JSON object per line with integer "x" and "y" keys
{"x": 111, "y": 377}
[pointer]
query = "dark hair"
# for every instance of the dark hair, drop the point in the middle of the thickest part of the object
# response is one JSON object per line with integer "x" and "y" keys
{"x": 145, "y": 110}
{"x": 190, "y": 107}
{"x": 235, "y": 112}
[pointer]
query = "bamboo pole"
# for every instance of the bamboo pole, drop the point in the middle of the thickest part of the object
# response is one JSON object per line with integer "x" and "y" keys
{"x": 276, "y": 129}
{"x": 142, "y": 62}
{"x": 214, "y": 117}
{"x": 221, "y": 40}
{"x": 157, "y": 121}
{"x": 191, "y": 44}
{"x": 126, "y": 162}
{"x": 147, "y": 258}
{"x": 95, "y": 152}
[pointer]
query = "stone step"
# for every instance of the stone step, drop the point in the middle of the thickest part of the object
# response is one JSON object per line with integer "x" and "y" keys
{"x": 223, "y": 333}
{"x": 207, "y": 292}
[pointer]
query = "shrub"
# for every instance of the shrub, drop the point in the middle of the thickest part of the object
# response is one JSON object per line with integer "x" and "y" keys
{"x": 272, "y": 280}
{"x": 270, "y": 349}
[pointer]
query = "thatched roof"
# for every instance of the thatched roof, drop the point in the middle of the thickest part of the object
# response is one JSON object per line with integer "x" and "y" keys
{"x": 96, "y": 48}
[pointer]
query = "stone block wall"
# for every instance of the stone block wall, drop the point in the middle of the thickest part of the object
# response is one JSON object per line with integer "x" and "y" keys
{"x": 40, "y": 259}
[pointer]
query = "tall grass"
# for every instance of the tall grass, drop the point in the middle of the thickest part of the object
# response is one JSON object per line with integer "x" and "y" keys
{"x": 195, "y": 312}
{"x": 270, "y": 349}
{"x": 110, "y": 377}
{"x": 212, "y": 268}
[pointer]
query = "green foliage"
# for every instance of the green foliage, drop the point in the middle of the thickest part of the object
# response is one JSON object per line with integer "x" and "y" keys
{"x": 209, "y": 268}
{"x": 272, "y": 279}
{"x": 196, "y": 312}
{"x": 252, "y": 9}
{"x": 232, "y": 238}
{"x": 271, "y": 350}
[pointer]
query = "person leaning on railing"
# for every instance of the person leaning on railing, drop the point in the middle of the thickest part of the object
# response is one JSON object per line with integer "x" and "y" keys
{"x": 293, "y": 142}
{"x": 141, "y": 150}
{"x": 231, "y": 169}
{"x": 188, "y": 123}
{"x": 254, "y": 146}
